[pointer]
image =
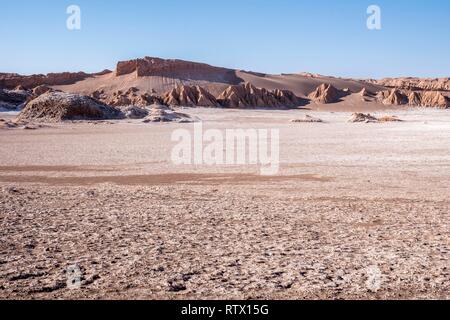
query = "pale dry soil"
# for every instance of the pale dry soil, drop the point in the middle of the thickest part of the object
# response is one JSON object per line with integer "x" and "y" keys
{"x": 356, "y": 211}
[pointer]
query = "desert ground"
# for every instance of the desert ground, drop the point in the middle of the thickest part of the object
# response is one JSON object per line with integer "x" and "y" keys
{"x": 358, "y": 210}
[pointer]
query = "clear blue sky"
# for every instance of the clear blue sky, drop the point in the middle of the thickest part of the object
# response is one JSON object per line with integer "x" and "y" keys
{"x": 326, "y": 36}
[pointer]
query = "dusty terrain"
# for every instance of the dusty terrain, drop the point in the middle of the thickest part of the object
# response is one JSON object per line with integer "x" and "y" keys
{"x": 358, "y": 210}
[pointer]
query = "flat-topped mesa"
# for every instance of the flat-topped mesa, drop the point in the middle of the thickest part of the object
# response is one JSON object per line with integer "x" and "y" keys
{"x": 190, "y": 96}
{"x": 326, "y": 93}
{"x": 248, "y": 96}
{"x": 150, "y": 66}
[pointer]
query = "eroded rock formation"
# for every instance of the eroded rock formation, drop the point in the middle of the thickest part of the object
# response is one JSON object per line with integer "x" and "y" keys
{"x": 131, "y": 97}
{"x": 326, "y": 93}
{"x": 12, "y": 80}
{"x": 60, "y": 106}
{"x": 434, "y": 99}
{"x": 190, "y": 96}
{"x": 393, "y": 97}
{"x": 161, "y": 113}
{"x": 429, "y": 99}
{"x": 415, "y": 84}
{"x": 13, "y": 99}
{"x": 37, "y": 91}
{"x": 248, "y": 96}
{"x": 176, "y": 69}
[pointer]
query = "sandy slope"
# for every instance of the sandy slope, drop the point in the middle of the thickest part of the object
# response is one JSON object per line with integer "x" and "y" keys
{"x": 302, "y": 85}
{"x": 351, "y": 201}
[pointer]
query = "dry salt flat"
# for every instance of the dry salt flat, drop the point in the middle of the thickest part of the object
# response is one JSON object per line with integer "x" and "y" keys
{"x": 358, "y": 210}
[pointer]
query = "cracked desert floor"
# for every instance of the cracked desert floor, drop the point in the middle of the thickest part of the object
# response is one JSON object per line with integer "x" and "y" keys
{"x": 358, "y": 210}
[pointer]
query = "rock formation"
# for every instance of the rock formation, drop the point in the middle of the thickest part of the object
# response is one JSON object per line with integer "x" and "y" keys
{"x": 161, "y": 113}
{"x": 415, "y": 98}
{"x": 37, "y": 91}
{"x": 393, "y": 97}
{"x": 12, "y": 99}
{"x": 307, "y": 119}
{"x": 415, "y": 84}
{"x": 133, "y": 112}
{"x": 389, "y": 119}
{"x": 366, "y": 95}
{"x": 130, "y": 97}
{"x": 12, "y": 80}
{"x": 326, "y": 93}
{"x": 59, "y": 106}
{"x": 248, "y": 96}
{"x": 433, "y": 99}
{"x": 177, "y": 69}
{"x": 361, "y": 117}
{"x": 188, "y": 96}
{"x": 397, "y": 97}
{"x": 367, "y": 118}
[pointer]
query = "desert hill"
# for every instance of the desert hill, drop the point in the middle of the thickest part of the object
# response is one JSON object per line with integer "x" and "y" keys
{"x": 155, "y": 75}
{"x": 149, "y": 80}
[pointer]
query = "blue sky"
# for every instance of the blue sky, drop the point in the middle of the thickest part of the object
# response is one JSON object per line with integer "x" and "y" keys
{"x": 283, "y": 36}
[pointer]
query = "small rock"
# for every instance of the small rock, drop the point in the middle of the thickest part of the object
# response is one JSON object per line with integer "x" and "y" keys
{"x": 307, "y": 119}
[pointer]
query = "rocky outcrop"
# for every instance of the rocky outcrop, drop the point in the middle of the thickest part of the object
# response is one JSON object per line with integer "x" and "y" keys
{"x": 415, "y": 84}
{"x": 434, "y": 99}
{"x": 176, "y": 69}
{"x": 361, "y": 117}
{"x": 12, "y": 80}
{"x": 248, "y": 96}
{"x": 161, "y": 113}
{"x": 13, "y": 99}
{"x": 59, "y": 106}
{"x": 127, "y": 98}
{"x": 367, "y": 118}
{"x": 326, "y": 93}
{"x": 389, "y": 119}
{"x": 133, "y": 112}
{"x": 288, "y": 99}
{"x": 393, "y": 97}
{"x": 188, "y": 96}
{"x": 41, "y": 90}
{"x": 307, "y": 119}
{"x": 415, "y": 98}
